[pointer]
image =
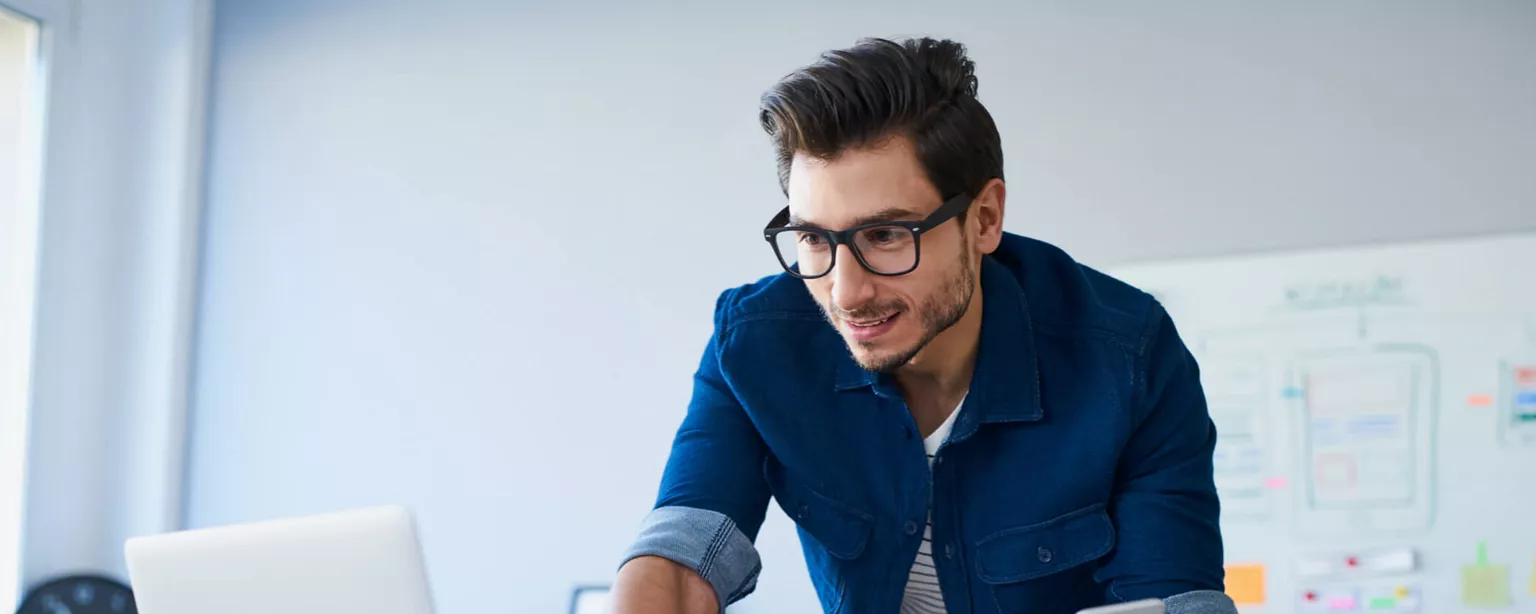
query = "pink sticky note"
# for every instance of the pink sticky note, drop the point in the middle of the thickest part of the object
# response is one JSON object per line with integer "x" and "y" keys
{"x": 1275, "y": 482}
{"x": 1341, "y": 603}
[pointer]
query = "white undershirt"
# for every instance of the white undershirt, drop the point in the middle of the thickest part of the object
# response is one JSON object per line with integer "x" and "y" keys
{"x": 923, "y": 595}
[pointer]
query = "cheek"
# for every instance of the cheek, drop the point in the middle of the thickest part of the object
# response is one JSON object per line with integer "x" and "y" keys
{"x": 936, "y": 277}
{"x": 913, "y": 290}
{"x": 935, "y": 260}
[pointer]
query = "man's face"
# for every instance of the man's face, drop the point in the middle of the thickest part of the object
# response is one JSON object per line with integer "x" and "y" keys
{"x": 884, "y": 320}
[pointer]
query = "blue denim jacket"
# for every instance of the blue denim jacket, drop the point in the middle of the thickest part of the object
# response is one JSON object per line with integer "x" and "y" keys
{"x": 1078, "y": 472}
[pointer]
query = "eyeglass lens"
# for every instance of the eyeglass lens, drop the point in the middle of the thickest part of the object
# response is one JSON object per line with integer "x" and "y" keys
{"x": 889, "y": 250}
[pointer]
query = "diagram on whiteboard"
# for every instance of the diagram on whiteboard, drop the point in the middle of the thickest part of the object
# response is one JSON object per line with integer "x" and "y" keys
{"x": 1519, "y": 401}
{"x": 1375, "y": 411}
{"x": 1236, "y": 392}
{"x": 1366, "y": 421}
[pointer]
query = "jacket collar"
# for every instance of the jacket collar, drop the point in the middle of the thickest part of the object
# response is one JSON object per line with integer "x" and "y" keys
{"x": 1006, "y": 384}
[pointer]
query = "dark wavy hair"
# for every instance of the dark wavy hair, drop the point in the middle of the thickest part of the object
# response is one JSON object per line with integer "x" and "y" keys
{"x": 923, "y": 89}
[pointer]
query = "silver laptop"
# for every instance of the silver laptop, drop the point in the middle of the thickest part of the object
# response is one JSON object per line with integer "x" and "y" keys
{"x": 365, "y": 560}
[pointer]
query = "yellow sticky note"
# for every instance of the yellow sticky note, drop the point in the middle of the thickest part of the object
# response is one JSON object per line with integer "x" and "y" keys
{"x": 1245, "y": 584}
{"x": 1533, "y": 579}
{"x": 1485, "y": 586}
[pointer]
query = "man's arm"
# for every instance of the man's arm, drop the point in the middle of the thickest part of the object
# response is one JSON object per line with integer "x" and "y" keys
{"x": 711, "y": 505}
{"x": 654, "y": 585}
{"x": 1165, "y": 510}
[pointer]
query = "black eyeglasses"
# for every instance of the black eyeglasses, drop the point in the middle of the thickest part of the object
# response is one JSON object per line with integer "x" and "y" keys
{"x": 882, "y": 248}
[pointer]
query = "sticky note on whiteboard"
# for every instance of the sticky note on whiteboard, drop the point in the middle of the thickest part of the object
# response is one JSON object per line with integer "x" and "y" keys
{"x": 1483, "y": 584}
{"x": 1533, "y": 580}
{"x": 1245, "y": 584}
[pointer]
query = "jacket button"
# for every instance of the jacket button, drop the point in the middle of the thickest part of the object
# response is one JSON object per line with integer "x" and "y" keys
{"x": 949, "y": 551}
{"x": 1044, "y": 554}
{"x": 911, "y": 528}
{"x": 800, "y": 513}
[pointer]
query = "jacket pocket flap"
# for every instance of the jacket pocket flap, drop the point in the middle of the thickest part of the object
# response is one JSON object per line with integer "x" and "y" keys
{"x": 838, "y": 527}
{"x": 1029, "y": 552}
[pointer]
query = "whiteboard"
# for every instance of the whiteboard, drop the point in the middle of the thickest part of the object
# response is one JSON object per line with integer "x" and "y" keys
{"x": 1376, "y": 419}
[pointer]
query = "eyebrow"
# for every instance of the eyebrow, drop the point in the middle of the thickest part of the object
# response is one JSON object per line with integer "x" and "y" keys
{"x": 888, "y": 214}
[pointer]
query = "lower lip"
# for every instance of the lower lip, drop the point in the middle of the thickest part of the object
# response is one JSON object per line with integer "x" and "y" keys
{"x": 868, "y": 333}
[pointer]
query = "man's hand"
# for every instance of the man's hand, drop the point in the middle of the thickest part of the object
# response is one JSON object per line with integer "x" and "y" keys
{"x": 654, "y": 585}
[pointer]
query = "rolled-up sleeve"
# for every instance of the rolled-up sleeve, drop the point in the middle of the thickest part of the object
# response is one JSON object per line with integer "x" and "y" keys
{"x": 705, "y": 541}
{"x": 713, "y": 495}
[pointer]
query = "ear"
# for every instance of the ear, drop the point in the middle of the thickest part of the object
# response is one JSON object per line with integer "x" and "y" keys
{"x": 985, "y": 220}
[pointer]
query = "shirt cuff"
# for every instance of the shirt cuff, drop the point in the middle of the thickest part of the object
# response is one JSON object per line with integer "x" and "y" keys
{"x": 707, "y": 542}
{"x": 1200, "y": 602}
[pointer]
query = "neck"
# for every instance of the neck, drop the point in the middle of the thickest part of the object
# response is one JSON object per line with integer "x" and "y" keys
{"x": 937, "y": 378}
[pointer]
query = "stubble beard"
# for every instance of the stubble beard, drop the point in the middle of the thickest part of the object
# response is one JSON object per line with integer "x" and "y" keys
{"x": 937, "y": 314}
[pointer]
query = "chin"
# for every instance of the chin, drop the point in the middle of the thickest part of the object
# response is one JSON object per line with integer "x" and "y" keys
{"x": 867, "y": 362}
{"x": 883, "y": 363}
{"x": 881, "y": 358}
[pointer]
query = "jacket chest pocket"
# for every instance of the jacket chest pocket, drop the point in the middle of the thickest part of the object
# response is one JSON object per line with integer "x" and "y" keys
{"x": 832, "y": 534}
{"x": 1030, "y": 566}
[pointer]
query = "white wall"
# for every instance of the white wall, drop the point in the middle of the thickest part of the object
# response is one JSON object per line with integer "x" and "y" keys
{"x": 462, "y": 255}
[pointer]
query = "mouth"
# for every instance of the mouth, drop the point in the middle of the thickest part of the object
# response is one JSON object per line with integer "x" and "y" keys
{"x": 868, "y": 330}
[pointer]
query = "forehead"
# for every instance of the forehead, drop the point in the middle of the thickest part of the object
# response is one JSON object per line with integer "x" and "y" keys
{"x": 837, "y": 193}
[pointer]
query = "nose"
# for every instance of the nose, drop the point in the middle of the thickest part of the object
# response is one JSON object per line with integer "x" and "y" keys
{"x": 852, "y": 287}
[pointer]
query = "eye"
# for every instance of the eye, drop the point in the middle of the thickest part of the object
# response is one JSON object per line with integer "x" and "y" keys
{"x": 811, "y": 239}
{"x": 885, "y": 235}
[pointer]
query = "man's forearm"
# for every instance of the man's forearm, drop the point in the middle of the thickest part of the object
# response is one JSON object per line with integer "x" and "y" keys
{"x": 654, "y": 585}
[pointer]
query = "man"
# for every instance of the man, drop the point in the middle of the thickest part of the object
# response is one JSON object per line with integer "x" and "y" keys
{"x": 958, "y": 419}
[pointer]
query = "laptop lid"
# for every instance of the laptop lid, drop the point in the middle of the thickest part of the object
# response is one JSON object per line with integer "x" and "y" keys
{"x": 364, "y": 560}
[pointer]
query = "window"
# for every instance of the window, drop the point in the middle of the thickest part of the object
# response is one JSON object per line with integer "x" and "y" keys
{"x": 20, "y": 166}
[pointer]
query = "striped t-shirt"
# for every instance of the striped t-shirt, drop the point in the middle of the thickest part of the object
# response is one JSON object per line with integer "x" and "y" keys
{"x": 923, "y": 595}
